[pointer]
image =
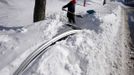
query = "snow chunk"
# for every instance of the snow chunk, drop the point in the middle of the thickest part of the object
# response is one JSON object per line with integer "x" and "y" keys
{"x": 132, "y": 18}
{"x": 4, "y": 38}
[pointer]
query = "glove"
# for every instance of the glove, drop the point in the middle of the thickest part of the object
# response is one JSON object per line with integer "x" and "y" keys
{"x": 63, "y": 9}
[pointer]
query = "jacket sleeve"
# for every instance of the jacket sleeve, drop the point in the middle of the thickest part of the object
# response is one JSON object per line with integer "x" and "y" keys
{"x": 66, "y": 5}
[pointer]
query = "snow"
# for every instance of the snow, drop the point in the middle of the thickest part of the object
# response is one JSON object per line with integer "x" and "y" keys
{"x": 76, "y": 55}
{"x": 16, "y": 13}
{"x": 132, "y": 18}
{"x": 97, "y": 50}
{"x": 33, "y": 36}
{"x": 4, "y": 38}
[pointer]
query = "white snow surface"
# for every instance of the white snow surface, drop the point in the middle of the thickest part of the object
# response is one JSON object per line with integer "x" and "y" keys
{"x": 97, "y": 50}
{"x": 16, "y": 13}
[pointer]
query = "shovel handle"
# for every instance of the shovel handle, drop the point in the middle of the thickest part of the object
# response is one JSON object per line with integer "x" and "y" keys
{"x": 68, "y": 11}
{"x": 72, "y": 13}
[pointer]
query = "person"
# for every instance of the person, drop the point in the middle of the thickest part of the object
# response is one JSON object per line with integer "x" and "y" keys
{"x": 70, "y": 11}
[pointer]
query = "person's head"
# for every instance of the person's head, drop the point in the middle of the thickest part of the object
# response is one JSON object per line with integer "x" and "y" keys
{"x": 73, "y": 1}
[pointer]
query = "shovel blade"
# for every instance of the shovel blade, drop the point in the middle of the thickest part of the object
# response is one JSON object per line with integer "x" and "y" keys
{"x": 90, "y": 11}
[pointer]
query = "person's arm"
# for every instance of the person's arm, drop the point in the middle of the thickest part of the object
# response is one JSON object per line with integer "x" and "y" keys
{"x": 65, "y": 6}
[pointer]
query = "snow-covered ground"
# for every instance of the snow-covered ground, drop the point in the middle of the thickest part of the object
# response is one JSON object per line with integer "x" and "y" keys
{"x": 100, "y": 49}
{"x": 15, "y": 13}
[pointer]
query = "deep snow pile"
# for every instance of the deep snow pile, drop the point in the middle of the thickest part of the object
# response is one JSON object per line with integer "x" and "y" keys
{"x": 87, "y": 53}
{"x": 97, "y": 50}
{"x": 14, "y": 43}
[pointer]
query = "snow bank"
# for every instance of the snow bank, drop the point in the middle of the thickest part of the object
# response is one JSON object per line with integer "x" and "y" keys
{"x": 34, "y": 35}
{"x": 87, "y": 53}
{"x": 90, "y": 52}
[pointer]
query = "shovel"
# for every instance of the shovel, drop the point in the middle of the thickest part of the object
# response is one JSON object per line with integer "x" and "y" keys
{"x": 91, "y": 11}
{"x": 73, "y": 13}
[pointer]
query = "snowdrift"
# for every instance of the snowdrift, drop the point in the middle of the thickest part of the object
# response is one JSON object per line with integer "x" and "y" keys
{"x": 98, "y": 50}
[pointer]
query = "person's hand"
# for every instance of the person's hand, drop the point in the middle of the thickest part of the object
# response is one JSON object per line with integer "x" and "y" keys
{"x": 63, "y": 9}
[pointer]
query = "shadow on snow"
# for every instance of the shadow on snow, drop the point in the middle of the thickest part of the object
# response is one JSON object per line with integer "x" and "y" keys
{"x": 10, "y": 28}
{"x": 89, "y": 22}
